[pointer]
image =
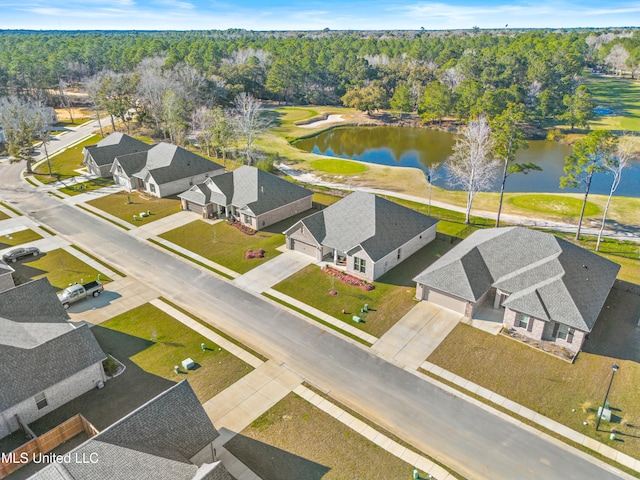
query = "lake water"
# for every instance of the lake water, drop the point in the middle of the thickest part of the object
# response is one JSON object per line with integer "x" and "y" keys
{"x": 418, "y": 147}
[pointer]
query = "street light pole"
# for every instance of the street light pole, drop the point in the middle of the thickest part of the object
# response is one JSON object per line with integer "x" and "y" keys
{"x": 614, "y": 369}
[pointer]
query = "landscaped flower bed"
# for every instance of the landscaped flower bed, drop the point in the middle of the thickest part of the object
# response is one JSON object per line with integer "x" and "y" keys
{"x": 348, "y": 279}
{"x": 254, "y": 254}
{"x": 243, "y": 228}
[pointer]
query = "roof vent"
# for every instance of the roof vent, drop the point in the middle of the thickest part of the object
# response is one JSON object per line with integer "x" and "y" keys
{"x": 261, "y": 188}
{"x": 585, "y": 267}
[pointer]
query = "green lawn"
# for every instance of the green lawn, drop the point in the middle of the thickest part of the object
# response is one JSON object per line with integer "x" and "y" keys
{"x": 18, "y": 238}
{"x": 546, "y": 384}
{"x": 59, "y": 266}
{"x": 125, "y": 205}
{"x": 88, "y": 186}
{"x": 620, "y": 95}
{"x": 170, "y": 342}
{"x": 338, "y": 166}
{"x": 225, "y": 244}
{"x": 324, "y": 199}
{"x": 294, "y": 439}
{"x": 4, "y": 216}
{"x": 391, "y": 299}
{"x": 556, "y": 204}
{"x": 64, "y": 164}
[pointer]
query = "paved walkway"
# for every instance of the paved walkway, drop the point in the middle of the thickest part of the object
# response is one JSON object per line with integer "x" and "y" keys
{"x": 321, "y": 315}
{"x": 274, "y": 271}
{"x": 416, "y": 335}
{"x": 164, "y": 224}
{"x": 17, "y": 224}
{"x": 195, "y": 256}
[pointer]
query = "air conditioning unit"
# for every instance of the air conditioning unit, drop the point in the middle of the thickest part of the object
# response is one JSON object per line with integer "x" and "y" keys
{"x": 99, "y": 384}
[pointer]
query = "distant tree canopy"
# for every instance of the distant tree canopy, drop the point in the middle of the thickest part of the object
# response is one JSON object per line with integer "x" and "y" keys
{"x": 482, "y": 70}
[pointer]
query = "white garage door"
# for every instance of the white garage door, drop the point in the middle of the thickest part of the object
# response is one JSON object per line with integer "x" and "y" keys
{"x": 305, "y": 248}
{"x": 194, "y": 207}
{"x": 447, "y": 301}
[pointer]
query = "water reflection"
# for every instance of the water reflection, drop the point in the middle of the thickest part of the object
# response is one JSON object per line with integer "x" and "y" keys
{"x": 417, "y": 147}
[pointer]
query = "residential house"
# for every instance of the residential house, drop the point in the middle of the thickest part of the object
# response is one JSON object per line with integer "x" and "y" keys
{"x": 46, "y": 360}
{"x": 99, "y": 158}
{"x": 6, "y": 277}
{"x": 547, "y": 288}
{"x": 254, "y": 197}
{"x": 163, "y": 170}
{"x": 364, "y": 233}
{"x": 168, "y": 438}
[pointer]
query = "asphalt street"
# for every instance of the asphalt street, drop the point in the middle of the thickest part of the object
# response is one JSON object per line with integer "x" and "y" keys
{"x": 468, "y": 439}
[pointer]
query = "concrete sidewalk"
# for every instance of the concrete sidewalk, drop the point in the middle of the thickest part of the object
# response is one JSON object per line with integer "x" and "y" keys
{"x": 417, "y": 334}
{"x": 92, "y": 195}
{"x": 273, "y": 271}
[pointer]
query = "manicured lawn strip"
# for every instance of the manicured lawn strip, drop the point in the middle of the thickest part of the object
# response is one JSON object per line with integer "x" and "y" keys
{"x": 325, "y": 199}
{"x": 60, "y": 267}
{"x": 88, "y": 186}
{"x": 56, "y": 195}
{"x": 225, "y": 244}
{"x": 191, "y": 259}
{"x": 96, "y": 259}
{"x": 31, "y": 182}
{"x": 4, "y": 216}
{"x": 295, "y": 439}
{"x": 211, "y": 327}
{"x": 118, "y": 205}
{"x": 531, "y": 423}
{"x": 11, "y": 209}
{"x": 18, "y": 238}
{"x": 45, "y": 229}
{"x": 319, "y": 320}
{"x": 170, "y": 342}
{"x": 380, "y": 429}
{"x": 391, "y": 299}
{"x": 619, "y": 94}
{"x": 339, "y": 166}
{"x": 102, "y": 217}
{"x": 65, "y": 163}
{"x": 556, "y": 204}
{"x": 545, "y": 384}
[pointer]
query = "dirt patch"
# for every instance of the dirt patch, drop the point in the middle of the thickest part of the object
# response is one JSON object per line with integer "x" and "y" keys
{"x": 78, "y": 112}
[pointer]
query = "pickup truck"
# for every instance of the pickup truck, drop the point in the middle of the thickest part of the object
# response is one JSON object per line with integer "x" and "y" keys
{"x": 77, "y": 292}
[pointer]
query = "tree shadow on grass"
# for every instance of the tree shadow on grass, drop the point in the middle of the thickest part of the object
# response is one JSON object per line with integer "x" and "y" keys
{"x": 120, "y": 396}
{"x": 273, "y": 463}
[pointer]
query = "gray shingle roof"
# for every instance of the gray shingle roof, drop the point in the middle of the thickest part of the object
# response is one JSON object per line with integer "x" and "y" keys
{"x": 547, "y": 277}
{"x": 249, "y": 189}
{"x": 155, "y": 441}
{"x": 199, "y": 194}
{"x": 27, "y": 371}
{"x": 116, "y": 144}
{"x": 378, "y": 225}
{"x": 166, "y": 162}
{"x": 34, "y": 301}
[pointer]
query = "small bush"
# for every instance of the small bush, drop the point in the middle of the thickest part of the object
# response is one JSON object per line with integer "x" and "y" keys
{"x": 110, "y": 366}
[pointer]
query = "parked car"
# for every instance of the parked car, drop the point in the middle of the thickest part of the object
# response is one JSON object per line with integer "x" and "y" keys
{"x": 18, "y": 253}
{"x": 77, "y": 292}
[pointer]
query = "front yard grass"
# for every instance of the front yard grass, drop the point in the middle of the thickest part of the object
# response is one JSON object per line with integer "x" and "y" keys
{"x": 338, "y": 166}
{"x": 170, "y": 342}
{"x": 4, "y": 216}
{"x": 391, "y": 299}
{"x": 118, "y": 205}
{"x": 548, "y": 385}
{"x": 294, "y": 439}
{"x": 88, "y": 186}
{"x": 225, "y": 244}
{"x": 18, "y": 238}
{"x": 554, "y": 204}
{"x": 64, "y": 164}
{"x": 59, "y": 266}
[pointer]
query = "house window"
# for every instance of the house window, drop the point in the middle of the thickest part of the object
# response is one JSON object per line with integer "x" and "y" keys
{"x": 398, "y": 254}
{"x": 41, "y": 401}
{"x": 523, "y": 321}
{"x": 247, "y": 218}
{"x": 152, "y": 187}
{"x": 359, "y": 264}
{"x": 563, "y": 332}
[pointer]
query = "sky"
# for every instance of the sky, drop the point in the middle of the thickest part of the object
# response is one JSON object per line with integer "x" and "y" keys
{"x": 314, "y": 14}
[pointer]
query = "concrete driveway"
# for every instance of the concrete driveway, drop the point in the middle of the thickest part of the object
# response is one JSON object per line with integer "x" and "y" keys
{"x": 274, "y": 271}
{"x": 417, "y": 334}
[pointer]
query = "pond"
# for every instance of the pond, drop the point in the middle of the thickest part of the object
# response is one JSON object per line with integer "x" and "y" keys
{"x": 418, "y": 147}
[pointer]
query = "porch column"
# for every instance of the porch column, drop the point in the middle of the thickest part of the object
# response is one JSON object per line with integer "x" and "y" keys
{"x": 335, "y": 256}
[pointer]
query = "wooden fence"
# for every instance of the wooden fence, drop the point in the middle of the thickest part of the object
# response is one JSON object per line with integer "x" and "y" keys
{"x": 45, "y": 443}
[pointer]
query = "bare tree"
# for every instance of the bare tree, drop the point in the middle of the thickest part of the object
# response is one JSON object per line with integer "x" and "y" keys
{"x": 64, "y": 98}
{"x": 615, "y": 165}
{"x": 249, "y": 122}
{"x": 92, "y": 86}
{"x": 472, "y": 165}
{"x": 451, "y": 78}
{"x": 214, "y": 129}
{"x": 431, "y": 171}
{"x": 617, "y": 58}
{"x": 23, "y": 124}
